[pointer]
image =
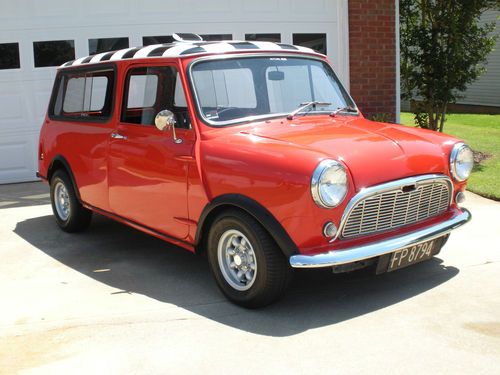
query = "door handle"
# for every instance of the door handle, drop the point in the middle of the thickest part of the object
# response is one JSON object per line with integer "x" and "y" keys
{"x": 118, "y": 136}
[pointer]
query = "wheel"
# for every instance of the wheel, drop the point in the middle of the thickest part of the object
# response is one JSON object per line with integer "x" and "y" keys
{"x": 246, "y": 263}
{"x": 70, "y": 215}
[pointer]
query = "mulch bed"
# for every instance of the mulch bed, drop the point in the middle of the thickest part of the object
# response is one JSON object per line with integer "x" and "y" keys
{"x": 480, "y": 156}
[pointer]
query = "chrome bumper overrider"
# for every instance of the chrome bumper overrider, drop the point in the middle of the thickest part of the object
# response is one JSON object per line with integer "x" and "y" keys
{"x": 353, "y": 254}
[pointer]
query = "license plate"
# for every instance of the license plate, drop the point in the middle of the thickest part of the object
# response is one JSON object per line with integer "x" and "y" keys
{"x": 411, "y": 255}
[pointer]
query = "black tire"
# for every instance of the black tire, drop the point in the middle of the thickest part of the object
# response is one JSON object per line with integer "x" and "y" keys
{"x": 78, "y": 218}
{"x": 273, "y": 273}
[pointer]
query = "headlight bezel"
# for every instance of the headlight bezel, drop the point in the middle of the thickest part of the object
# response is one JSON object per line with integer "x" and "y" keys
{"x": 455, "y": 152}
{"x": 322, "y": 167}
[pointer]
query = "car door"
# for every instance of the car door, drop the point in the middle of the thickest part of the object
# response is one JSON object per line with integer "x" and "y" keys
{"x": 147, "y": 169}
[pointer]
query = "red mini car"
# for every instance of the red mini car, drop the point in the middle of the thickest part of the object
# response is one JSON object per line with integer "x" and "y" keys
{"x": 250, "y": 152}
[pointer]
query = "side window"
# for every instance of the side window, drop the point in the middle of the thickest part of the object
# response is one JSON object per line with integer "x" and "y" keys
{"x": 84, "y": 95}
{"x": 179, "y": 97}
{"x": 142, "y": 91}
{"x": 75, "y": 95}
{"x": 149, "y": 90}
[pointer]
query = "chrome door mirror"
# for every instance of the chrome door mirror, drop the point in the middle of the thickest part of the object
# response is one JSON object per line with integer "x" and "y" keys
{"x": 165, "y": 120}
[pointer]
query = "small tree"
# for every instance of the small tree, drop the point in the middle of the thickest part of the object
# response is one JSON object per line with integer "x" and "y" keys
{"x": 443, "y": 49}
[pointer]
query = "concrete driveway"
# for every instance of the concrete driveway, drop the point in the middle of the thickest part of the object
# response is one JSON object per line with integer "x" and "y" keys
{"x": 114, "y": 300}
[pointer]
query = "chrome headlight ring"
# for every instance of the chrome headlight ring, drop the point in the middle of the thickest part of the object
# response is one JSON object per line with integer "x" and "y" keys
{"x": 461, "y": 161}
{"x": 329, "y": 184}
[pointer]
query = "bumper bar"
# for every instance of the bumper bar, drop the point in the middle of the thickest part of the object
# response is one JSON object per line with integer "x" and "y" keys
{"x": 353, "y": 254}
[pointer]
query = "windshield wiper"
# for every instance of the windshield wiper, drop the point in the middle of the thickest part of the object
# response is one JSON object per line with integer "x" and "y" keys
{"x": 304, "y": 106}
{"x": 344, "y": 109}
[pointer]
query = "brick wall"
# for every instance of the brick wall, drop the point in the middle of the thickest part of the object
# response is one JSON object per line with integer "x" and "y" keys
{"x": 372, "y": 49}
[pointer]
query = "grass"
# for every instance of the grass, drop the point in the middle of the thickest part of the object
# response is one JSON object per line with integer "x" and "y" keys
{"x": 482, "y": 133}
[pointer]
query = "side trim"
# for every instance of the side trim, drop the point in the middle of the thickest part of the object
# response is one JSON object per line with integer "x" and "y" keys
{"x": 261, "y": 214}
{"x": 354, "y": 254}
{"x": 141, "y": 227}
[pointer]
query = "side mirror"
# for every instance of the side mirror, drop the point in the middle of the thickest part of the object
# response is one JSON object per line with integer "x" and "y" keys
{"x": 165, "y": 120}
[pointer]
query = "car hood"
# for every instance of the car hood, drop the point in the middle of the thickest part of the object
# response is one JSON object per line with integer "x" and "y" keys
{"x": 373, "y": 152}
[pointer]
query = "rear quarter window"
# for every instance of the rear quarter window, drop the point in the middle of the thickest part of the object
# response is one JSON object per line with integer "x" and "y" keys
{"x": 83, "y": 95}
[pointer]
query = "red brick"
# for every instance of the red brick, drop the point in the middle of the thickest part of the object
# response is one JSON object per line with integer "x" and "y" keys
{"x": 372, "y": 55}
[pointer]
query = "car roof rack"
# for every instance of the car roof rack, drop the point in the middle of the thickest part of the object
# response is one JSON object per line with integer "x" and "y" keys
{"x": 187, "y": 37}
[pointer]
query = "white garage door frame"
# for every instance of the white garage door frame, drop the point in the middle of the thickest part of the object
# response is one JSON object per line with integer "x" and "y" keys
{"x": 24, "y": 92}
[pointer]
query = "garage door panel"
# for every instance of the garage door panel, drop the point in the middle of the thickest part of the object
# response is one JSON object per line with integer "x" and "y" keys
{"x": 10, "y": 11}
{"x": 25, "y": 91}
{"x": 304, "y": 7}
{"x": 99, "y": 7}
{"x": 258, "y": 5}
{"x": 11, "y": 109}
{"x": 18, "y": 156}
{"x": 23, "y": 105}
{"x": 41, "y": 103}
{"x": 210, "y": 6}
{"x": 58, "y": 8}
{"x": 159, "y": 6}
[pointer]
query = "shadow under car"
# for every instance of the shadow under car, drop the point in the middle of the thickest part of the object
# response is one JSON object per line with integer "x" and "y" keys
{"x": 139, "y": 263}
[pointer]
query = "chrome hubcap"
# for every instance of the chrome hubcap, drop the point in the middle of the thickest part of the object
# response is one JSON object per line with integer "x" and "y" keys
{"x": 61, "y": 200}
{"x": 237, "y": 260}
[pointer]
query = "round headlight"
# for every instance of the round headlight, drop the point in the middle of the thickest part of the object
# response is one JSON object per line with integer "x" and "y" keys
{"x": 461, "y": 161}
{"x": 329, "y": 184}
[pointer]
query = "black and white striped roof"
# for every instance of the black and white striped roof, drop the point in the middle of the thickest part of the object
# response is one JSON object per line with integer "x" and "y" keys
{"x": 181, "y": 49}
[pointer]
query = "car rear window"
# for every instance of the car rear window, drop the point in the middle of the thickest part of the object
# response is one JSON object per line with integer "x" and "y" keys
{"x": 83, "y": 95}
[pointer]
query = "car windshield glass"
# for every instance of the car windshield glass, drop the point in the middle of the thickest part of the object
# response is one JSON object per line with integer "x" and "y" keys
{"x": 232, "y": 90}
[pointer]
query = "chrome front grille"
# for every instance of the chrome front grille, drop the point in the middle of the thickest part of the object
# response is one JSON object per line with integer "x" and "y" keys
{"x": 403, "y": 205}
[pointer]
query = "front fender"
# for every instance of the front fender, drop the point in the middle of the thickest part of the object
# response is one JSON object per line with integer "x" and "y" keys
{"x": 259, "y": 213}
{"x": 275, "y": 175}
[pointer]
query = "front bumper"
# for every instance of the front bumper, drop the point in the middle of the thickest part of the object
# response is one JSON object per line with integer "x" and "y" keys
{"x": 354, "y": 254}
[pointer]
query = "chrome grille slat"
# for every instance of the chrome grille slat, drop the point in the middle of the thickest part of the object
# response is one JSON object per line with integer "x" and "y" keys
{"x": 393, "y": 209}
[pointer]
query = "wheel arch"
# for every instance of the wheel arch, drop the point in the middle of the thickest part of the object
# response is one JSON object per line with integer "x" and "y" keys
{"x": 59, "y": 162}
{"x": 251, "y": 207}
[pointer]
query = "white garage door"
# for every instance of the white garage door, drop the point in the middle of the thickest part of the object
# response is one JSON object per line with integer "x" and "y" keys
{"x": 34, "y": 37}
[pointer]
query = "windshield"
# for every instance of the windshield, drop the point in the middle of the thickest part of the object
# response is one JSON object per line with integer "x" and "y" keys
{"x": 238, "y": 89}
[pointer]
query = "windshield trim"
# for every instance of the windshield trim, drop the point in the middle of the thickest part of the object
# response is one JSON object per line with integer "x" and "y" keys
{"x": 246, "y": 119}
